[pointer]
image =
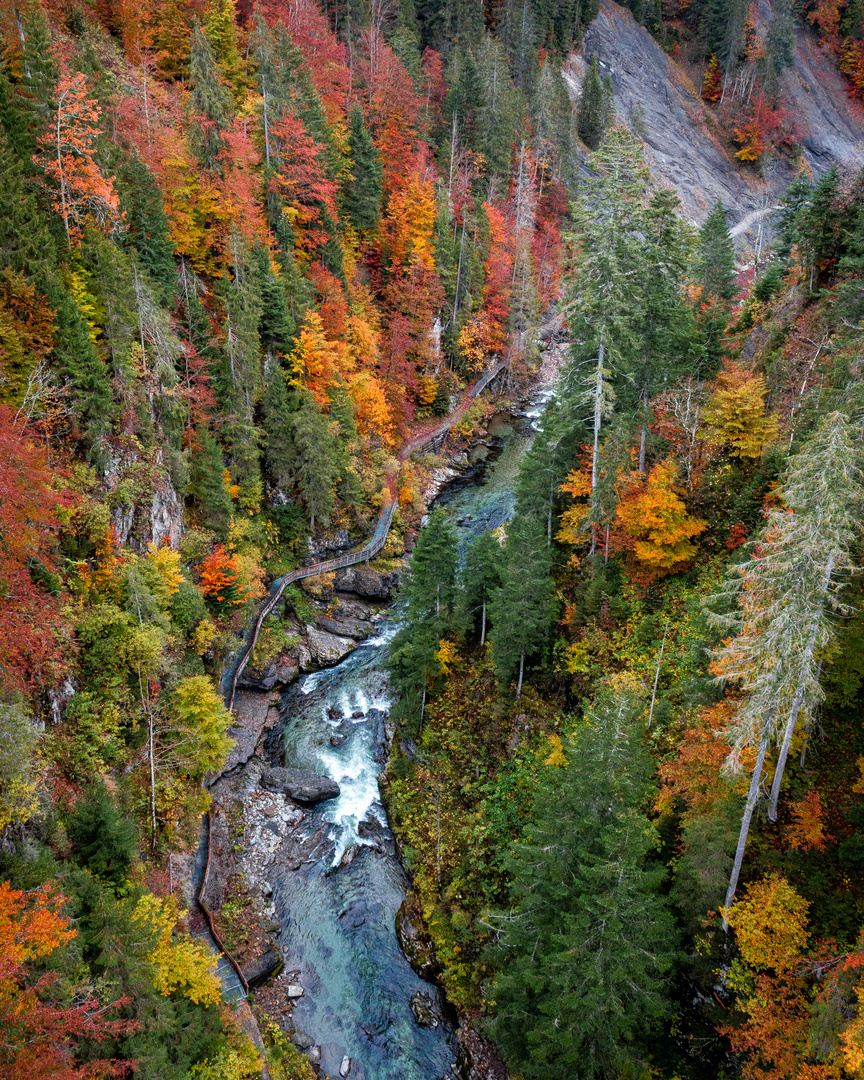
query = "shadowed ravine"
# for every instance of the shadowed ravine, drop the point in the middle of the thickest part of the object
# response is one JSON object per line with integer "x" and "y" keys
{"x": 338, "y": 913}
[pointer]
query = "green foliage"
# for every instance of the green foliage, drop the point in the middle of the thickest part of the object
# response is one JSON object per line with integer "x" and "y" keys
{"x": 596, "y": 107}
{"x": 105, "y": 842}
{"x": 362, "y": 196}
{"x": 583, "y": 957}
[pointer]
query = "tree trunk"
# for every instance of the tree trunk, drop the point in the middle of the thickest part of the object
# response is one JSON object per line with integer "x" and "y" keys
{"x": 598, "y": 414}
{"x": 643, "y": 438}
{"x": 749, "y": 807}
{"x": 798, "y": 700}
{"x": 657, "y": 675}
{"x": 521, "y": 673}
{"x": 152, "y": 784}
{"x": 483, "y": 626}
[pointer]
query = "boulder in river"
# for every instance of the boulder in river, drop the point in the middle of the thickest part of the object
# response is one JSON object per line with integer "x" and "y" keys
{"x": 262, "y": 969}
{"x": 366, "y": 582}
{"x": 425, "y": 1011}
{"x": 302, "y": 787}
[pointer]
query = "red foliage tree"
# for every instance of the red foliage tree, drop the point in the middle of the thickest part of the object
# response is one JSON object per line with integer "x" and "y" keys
{"x": 712, "y": 84}
{"x": 39, "y": 1036}
{"x": 31, "y": 626}
{"x": 79, "y": 191}
{"x": 300, "y": 179}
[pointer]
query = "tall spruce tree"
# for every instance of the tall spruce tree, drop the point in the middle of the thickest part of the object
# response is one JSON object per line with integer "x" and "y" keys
{"x": 210, "y": 101}
{"x": 522, "y": 607}
{"x": 590, "y": 118}
{"x": 715, "y": 271}
{"x": 207, "y": 485}
{"x": 427, "y": 605}
{"x": 361, "y": 197}
{"x": 479, "y": 579}
{"x": 585, "y": 953}
{"x": 785, "y": 596}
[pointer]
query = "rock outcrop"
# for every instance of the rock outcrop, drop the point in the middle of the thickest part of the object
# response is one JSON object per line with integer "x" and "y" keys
{"x": 302, "y": 787}
{"x": 366, "y": 582}
{"x": 684, "y": 148}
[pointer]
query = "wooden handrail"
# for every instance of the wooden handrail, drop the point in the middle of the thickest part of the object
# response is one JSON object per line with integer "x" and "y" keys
{"x": 220, "y": 944}
{"x": 379, "y": 536}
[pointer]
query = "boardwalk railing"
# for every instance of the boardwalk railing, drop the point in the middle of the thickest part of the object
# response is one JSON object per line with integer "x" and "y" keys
{"x": 420, "y": 444}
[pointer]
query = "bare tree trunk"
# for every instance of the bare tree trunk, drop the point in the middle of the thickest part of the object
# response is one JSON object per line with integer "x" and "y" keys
{"x": 657, "y": 675}
{"x": 643, "y": 439}
{"x": 483, "y": 627}
{"x": 521, "y": 673}
{"x": 598, "y": 414}
{"x": 152, "y": 784}
{"x": 796, "y": 704}
{"x": 749, "y": 807}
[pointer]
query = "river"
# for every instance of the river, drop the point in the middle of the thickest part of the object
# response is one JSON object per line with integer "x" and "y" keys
{"x": 338, "y": 913}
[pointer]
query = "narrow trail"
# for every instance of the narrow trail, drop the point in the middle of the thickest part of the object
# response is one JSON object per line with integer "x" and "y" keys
{"x": 422, "y": 442}
{"x": 234, "y": 985}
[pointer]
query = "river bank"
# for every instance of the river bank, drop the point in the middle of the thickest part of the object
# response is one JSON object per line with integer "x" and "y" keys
{"x": 306, "y": 896}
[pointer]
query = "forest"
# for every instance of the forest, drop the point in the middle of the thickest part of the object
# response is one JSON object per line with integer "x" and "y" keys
{"x": 250, "y": 253}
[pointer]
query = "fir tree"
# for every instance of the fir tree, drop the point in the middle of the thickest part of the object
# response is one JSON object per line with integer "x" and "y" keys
{"x": 788, "y": 216}
{"x": 583, "y": 957}
{"x": 786, "y": 595}
{"x": 479, "y": 578}
{"x": 522, "y": 607}
{"x": 362, "y": 197}
{"x": 820, "y": 226}
{"x": 316, "y": 466}
{"x": 592, "y": 116}
{"x": 210, "y": 101}
{"x": 147, "y": 224}
{"x": 427, "y": 601}
{"x": 716, "y": 256}
{"x": 105, "y": 842}
{"x": 279, "y": 408}
{"x": 207, "y": 483}
{"x": 276, "y": 327}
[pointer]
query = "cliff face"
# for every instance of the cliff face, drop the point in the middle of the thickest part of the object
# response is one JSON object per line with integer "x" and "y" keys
{"x": 683, "y": 146}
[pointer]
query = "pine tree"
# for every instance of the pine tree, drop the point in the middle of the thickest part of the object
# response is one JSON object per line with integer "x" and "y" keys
{"x": 583, "y": 957}
{"x": 716, "y": 256}
{"x": 211, "y": 102}
{"x": 792, "y": 205}
{"x": 105, "y": 842}
{"x": 316, "y": 467}
{"x": 147, "y": 223}
{"x": 522, "y": 607}
{"x": 279, "y": 408}
{"x": 603, "y": 305}
{"x": 427, "y": 603}
{"x": 592, "y": 114}
{"x": 207, "y": 483}
{"x": 479, "y": 579}
{"x": 820, "y": 226}
{"x": 362, "y": 197}
{"x": 786, "y": 595}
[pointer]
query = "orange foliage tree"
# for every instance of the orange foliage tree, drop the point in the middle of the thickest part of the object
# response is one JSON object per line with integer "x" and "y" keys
{"x": 39, "y": 1036}
{"x": 658, "y": 525}
{"x": 219, "y": 578}
{"x": 79, "y": 191}
{"x": 712, "y": 83}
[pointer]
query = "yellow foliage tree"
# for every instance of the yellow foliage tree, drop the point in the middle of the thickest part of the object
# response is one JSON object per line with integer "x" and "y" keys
{"x": 657, "y": 522}
{"x": 735, "y": 414}
{"x": 179, "y": 963}
{"x": 166, "y": 562}
{"x": 572, "y": 531}
{"x": 770, "y": 924}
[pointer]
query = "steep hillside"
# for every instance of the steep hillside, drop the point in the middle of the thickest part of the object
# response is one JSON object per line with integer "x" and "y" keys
{"x": 685, "y": 149}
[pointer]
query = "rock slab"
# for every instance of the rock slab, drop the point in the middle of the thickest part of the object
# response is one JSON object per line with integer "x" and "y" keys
{"x": 302, "y": 787}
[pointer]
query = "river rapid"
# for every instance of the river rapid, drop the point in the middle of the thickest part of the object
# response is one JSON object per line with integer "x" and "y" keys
{"x": 338, "y": 911}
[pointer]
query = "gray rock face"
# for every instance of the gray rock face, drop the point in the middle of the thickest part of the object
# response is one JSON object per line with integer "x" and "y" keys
{"x": 302, "y": 787}
{"x": 327, "y": 649}
{"x": 262, "y": 969}
{"x": 364, "y": 582}
{"x": 683, "y": 149}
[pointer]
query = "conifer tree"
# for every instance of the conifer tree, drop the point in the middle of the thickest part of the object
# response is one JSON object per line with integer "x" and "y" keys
{"x": 479, "y": 578}
{"x": 820, "y": 225}
{"x": 500, "y": 110}
{"x": 602, "y": 304}
{"x": 146, "y": 223}
{"x": 427, "y": 601}
{"x": 583, "y": 956}
{"x": 220, "y": 27}
{"x": 716, "y": 256}
{"x": 362, "y": 197}
{"x": 105, "y": 841}
{"x": 211, "y": 103}
{"x": 522, "y": 607}
{"x": 593, "y": 112}
{"x": 786, "y": 595}
{"x": 207, "y": 484}
{"x": 279, "y": 408}
{"x": 788, "y": 215}
{"x": 316, "y": 466}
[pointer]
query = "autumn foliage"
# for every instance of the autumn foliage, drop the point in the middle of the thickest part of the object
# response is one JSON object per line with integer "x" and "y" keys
{"x": 39, "y": 1034}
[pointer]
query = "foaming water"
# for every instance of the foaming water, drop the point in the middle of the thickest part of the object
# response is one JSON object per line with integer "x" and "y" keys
{"x": 338, "y": 912}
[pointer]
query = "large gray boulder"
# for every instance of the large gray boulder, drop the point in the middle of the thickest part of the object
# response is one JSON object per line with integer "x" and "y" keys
{"x": 302, "y": 787}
